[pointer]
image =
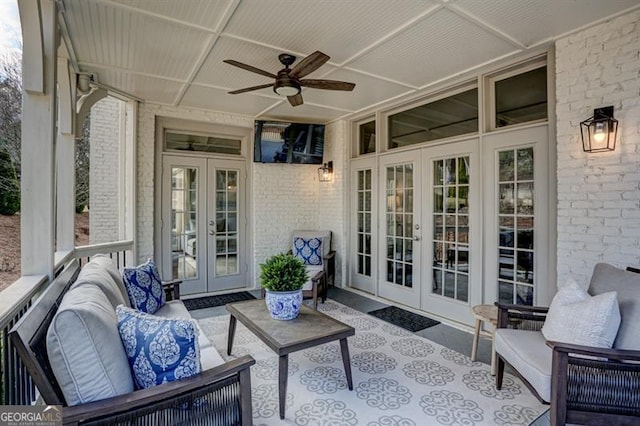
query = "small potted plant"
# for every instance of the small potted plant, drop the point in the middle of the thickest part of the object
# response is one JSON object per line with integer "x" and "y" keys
{"x": 282, "y": 276}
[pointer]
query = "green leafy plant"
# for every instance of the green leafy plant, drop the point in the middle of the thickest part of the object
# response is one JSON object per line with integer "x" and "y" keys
{"x": 283, "y": 272}
{"x": 9, "y": 186}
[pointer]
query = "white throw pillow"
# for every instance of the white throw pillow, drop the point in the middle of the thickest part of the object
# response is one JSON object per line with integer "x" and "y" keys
{"x": 581, "y": 319}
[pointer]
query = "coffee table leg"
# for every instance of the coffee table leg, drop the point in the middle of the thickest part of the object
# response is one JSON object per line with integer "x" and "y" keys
{"x": 346, "y": 361}
{"x": 232, "y": 333}
{"x": 283, "y": 373}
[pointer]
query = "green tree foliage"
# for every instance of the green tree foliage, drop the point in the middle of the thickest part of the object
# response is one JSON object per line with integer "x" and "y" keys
{"x": 9, "y": 186}
{"x": 82, "y": 167}
{"x": 11, "y": 107}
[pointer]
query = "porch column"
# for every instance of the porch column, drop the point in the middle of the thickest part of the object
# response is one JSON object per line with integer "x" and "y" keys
{"x": 65, "y": 153}
{"x": 40, "y": 42}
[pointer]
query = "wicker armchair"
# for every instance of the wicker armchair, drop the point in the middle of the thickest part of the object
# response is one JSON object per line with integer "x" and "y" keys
{"x": 217, "y": 396}
{"x": 586, "y": 385}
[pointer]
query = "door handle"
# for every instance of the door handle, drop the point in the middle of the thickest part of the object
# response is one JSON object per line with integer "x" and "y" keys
{"x": 212, "y": 232}
{"x": 416, "y": 238}
{"x": 212, "y": 223}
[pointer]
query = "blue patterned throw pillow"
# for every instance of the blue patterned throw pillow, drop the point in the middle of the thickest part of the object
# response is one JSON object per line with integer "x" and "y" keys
{"x": 144, "y": 287}
{"x": 159, "y": 349}
{"x": 308, "y": 250}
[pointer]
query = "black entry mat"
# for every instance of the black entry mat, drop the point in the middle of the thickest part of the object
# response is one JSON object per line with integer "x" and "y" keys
{"x": 213, "y": 301}
{"x": 405, "y": 319}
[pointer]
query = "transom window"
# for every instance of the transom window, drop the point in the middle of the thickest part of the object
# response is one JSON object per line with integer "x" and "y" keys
{"x": 451, "y": 116}
{"x": 202, "y": 143}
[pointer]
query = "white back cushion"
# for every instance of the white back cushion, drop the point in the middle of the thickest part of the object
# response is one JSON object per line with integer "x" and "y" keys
{"x": 581, "y": 319}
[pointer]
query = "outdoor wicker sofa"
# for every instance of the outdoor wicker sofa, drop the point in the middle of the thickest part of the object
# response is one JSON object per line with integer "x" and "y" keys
{"x": 583, "y": 385}
{"x": 220, "y": 395}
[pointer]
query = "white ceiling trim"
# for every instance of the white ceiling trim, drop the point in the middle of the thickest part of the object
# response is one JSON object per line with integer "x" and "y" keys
{"x": 226, "y": 16}
{"x": 492, "y": 29}
{"x": 392, "y": 34}
{"x": 153, "y": 15}
{"x": 196, "y": 68}
{"x": 129, "y": 71}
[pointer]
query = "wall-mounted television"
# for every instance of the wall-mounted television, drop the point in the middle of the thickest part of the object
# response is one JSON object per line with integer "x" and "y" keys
{"x": 282, "y": 142}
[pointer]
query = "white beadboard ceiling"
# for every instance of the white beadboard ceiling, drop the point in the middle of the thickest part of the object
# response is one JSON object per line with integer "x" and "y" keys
{"x": 171, "y": 51}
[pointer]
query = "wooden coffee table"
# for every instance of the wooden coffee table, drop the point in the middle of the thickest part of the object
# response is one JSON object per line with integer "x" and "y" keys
{"x": 311, "y": 328}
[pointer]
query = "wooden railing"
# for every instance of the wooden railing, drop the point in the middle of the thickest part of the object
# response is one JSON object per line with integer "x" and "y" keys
{"x": 16, "y": 387}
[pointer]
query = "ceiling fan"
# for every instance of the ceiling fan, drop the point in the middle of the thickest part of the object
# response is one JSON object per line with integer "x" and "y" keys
{"x": 288, "y": 81}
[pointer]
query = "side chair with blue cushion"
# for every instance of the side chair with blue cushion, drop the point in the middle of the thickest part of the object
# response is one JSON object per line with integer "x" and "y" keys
{"x": 314, "y": 249}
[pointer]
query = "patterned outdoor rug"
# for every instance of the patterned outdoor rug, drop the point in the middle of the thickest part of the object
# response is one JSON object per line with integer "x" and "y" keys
{"x": 213, "y": 301}
{"x": 405, "y": 319}
{"x": 399, "y": 379}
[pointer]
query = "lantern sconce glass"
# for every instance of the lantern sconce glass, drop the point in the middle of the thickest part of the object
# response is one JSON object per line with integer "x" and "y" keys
{"x": 599, "y": 132}
{"x": 325, "y": 173}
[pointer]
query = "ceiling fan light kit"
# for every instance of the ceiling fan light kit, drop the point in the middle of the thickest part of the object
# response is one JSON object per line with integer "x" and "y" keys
{"x": 288, "y": 81}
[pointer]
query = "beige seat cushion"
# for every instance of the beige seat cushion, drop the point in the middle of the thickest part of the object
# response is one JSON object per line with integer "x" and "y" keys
{"x": 100, "y": 272}
{"x": 85, "y": 350}
{"x": 528, "y": 353}
{"x": 626, "y": 284}
{"x": 176, "y": 309}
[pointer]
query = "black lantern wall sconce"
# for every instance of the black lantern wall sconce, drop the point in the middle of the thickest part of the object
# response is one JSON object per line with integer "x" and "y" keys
{"x": 325, "y": 173}
{"x": 599, "y": 132}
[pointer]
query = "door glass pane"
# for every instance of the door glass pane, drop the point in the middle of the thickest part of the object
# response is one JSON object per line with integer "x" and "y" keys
{"x": 399, "y": 225}
{"x": 451, "y": 249}
{"x": 516, "y": 213}
{"x": 226, "y": 222}
{"x": 363, "y": 226}
{"x": 184, "y": 210}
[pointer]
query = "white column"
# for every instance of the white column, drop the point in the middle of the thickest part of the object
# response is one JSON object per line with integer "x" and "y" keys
{"x": 40, "y": 38}
{"x": 65, "y": 152}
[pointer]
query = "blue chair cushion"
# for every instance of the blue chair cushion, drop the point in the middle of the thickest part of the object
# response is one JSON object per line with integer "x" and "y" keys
{"x": 144, "y": 287}
{"x": 308, "y": 250}
{"x": 159, "y": 349}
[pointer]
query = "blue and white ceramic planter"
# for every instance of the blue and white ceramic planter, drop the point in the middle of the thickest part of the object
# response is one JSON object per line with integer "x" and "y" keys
{"x": 283, "y": 305}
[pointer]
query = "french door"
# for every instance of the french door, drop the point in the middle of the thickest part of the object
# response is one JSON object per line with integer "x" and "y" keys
{"x": 203, "y": 226}
{"x": 452, "y": 276}
{"x": 399, "y": 247}
{"x": 364, "y": 217}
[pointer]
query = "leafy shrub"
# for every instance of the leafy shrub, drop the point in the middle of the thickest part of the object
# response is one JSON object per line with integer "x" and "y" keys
{"x": 283, "y": 272}
{"x": 9, "y": 186}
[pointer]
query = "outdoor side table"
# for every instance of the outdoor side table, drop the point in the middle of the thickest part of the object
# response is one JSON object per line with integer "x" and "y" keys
{"x": 485, "y": 313}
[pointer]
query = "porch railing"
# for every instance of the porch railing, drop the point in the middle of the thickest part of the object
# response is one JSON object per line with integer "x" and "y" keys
{"x": 16, "y": 387}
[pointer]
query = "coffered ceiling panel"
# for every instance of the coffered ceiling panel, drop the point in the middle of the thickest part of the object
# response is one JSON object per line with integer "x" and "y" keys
{"x": 441, "y": 45}
{"x": 104, "y": 34}
{"x": 220, "y": 100}
{"x": 305, "y": 112}
{"x": 531, "y": 22}
{"x": 203, "y": 13}
{"x": 368, "y": 91}
{"x": 339, "y": 28}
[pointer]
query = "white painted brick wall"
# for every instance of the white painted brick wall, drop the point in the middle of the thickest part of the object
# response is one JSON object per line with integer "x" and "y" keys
{"x": 283, "y": 197}
{"x": 598, "y": 194}
{"x": 146, "y": 159}
{"x": 104, "y": 156}
{"x": 332, "y": 196}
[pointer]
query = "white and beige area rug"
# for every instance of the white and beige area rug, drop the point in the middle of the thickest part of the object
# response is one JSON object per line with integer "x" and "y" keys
{"x": 399, "y": 379}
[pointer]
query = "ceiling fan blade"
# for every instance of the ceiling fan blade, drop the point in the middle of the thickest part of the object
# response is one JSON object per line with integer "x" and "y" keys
{"x": 309, "y": 64}
{"x": 249, "y": 68}
{"x": 295, "y": 100}
{"x": 249, "y": 89}
{"x": 327, "y": 84}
